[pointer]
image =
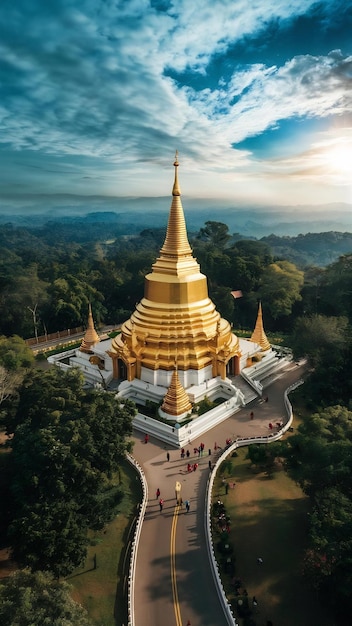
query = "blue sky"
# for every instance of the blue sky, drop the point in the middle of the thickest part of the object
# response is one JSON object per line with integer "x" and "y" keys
{"x": 96, "y": 96}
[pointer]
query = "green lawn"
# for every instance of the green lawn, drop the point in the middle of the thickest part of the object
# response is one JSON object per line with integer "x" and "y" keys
{"x": 102, "y": 591}
{"x": 268, "y": 520}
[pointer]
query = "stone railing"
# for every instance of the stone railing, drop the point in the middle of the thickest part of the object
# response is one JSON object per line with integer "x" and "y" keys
{"x": 60, "y": 334}
{"x": 135, "y": 541}
{"x": 243, "y": 441}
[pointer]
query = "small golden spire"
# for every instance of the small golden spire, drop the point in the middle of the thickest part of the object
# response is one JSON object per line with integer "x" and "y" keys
{"x": 91, "y": 337}
{"x": 176, "y": 401}
{"x": 258, "y": 335}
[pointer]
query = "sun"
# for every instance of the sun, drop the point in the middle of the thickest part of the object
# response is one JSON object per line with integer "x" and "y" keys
{"x": 338, "y": 160}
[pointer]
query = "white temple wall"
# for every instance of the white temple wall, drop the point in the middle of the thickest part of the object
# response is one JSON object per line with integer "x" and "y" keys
{"x": 180, "y": 436}
{"x": 162, "y": 378}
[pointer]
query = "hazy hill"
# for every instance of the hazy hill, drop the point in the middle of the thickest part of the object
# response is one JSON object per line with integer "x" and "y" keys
{"x": 311, "y": 249}
{"x": 134, "y": 214}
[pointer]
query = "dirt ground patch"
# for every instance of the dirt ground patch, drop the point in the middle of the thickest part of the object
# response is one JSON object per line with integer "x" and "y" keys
{"x": 269, "y": 520}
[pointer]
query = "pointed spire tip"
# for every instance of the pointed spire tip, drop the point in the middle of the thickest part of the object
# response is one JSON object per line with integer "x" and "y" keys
{"x": 176, "y": 188}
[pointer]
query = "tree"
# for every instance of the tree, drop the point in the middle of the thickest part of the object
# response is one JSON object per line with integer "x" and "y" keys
{"x": 24, "y": 293}
{"x": 36, "y": 598}
{"x": 15, "y": 354}
{"x": 215, "y": 233}
{"x": 223, "y": 301}
{"x": 15, "y": 358}
{"x": 67, "y": 443}
{"x": 318, "y": 335}
{"x": 9, "y": 383}
{"x": 265, "y": 455}
{"x": 326, "y": 342}
{"x": 320, "y": 459}
{"x": 280, "y": 287}
{"x": 336, "y": 291}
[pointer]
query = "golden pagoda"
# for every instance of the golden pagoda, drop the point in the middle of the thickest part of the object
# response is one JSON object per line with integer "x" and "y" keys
{"x": 175, "y": 317}
{"x": 258, "y": 335}
{"x": 91, "y": 336}
{"x": 176, "y": 401}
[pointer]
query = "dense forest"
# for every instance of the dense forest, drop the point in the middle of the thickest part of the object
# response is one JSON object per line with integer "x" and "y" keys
{"x": 48, "y": 275}
{"x": 47, "y": 280}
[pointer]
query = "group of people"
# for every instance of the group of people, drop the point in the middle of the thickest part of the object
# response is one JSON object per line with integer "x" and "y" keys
{"x": 196, "y": 451}
{"x": 178, "y": 498}
{"x": 223, "y": 520}
{"x": 161, "y": 501}
{"x": 199, "y": 450}
{"x": 192, "y": 467}
{"x": 278, "y": 424}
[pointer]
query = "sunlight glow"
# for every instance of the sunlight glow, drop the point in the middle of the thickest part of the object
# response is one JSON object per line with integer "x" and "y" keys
{"x": 340, "y": 159}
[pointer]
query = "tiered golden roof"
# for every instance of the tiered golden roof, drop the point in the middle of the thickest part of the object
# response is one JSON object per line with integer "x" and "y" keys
{"x": 176, "y": 315}
{"x": 91, "y": 336}
{"x": 258, "y": 335}
{"x": 176, "y": 401}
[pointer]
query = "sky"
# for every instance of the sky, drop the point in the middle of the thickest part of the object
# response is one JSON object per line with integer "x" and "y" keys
{"x": 97, "y": 95}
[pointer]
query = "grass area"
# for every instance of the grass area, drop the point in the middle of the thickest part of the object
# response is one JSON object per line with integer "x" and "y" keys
{"x": 268, "y": 519}
{"x": 103, "y": 591}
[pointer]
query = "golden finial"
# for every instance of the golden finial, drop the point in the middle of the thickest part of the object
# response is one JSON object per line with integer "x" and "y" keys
{"x": 176, "y": 188}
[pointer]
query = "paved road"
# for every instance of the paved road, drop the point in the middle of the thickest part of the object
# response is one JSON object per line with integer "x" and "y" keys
{"x": 196, "y": 595}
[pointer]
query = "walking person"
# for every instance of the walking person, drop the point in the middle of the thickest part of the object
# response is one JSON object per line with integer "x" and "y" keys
{"x": 168, "y": 456}
{"x": 187, "y": 505}
{"x": 161, "y": 504}
{"x": 157, "y": 493}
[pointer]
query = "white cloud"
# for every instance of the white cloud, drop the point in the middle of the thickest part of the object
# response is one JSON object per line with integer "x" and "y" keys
{"x": 304, "y": 86}
{"x": 89, "y": 79}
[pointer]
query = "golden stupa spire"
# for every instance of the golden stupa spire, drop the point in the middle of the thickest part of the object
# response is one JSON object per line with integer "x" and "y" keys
{"x": 175, "y": 316}
{"x": 176, "y": 241}
{"x": 258, "y": 335}
{"x": 91, "y": 336}
{"x": 176, "y": 401}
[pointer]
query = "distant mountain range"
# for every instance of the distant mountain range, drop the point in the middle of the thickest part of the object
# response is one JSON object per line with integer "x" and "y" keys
{"x": 134, "y": 214}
